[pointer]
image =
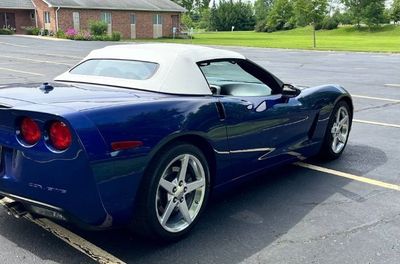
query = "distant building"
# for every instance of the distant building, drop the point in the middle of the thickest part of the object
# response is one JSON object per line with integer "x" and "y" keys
{"x": 133, "y": 18}
{"x": 17, "y": 14}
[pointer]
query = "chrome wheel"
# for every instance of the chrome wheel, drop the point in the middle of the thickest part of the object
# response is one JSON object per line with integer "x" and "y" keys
{"x": 340, "y": 130}
{"x": 180, "y": 193}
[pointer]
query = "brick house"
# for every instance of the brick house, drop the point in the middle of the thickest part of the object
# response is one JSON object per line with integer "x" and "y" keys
{"x": 133, "y": 18}
{"x": 17, "y": 14}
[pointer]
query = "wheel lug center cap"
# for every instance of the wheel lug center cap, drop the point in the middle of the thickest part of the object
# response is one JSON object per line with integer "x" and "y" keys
{"x": 180, "y": 191}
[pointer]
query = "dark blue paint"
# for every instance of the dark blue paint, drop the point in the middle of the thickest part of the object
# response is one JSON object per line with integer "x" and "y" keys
{"x": 94, "y": 184}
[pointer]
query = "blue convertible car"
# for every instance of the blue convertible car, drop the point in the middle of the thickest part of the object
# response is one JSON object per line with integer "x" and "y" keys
{"x": 139, "y": 135}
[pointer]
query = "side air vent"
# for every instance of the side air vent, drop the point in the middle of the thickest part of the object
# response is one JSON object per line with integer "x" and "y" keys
{"x": 221, "y": 111}
{"x": 313, "y": 127}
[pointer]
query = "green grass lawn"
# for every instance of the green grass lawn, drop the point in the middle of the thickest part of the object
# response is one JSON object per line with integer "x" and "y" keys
{"x": 386, "y": 39}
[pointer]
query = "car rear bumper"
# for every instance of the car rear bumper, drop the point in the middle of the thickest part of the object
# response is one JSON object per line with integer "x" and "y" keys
{"x": 19, "y": 206}
{"x": 52, "y": 187}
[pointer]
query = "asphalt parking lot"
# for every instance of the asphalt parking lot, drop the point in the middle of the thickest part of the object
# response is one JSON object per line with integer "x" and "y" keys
{"x": 346, "y": 211}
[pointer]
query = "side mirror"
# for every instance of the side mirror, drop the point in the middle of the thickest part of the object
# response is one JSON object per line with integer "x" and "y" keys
{"x": 290, "y": 91}
{"x": 215, "y": 89}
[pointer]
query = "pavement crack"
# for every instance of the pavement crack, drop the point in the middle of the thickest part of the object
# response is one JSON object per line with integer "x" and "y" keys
{"x": 349, "y": 231}
{"x": 376, "y": 107}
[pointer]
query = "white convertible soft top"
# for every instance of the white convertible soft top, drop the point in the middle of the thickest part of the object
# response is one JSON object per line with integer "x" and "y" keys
{"x": 178, "y": 72}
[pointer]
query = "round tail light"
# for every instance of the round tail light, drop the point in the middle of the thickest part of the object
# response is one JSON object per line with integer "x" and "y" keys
{"x": 60, "y": 135}
{"x": 30, "y": 131}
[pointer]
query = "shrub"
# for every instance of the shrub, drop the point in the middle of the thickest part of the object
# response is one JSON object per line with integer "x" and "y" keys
{"x": 44, "y": 32}
{"x": 83, "y": 35}
{"x": 318, "y": 26}
{"x": 6, "y": 31}
{"x": 261, "y": 26}
{"x": 98, "y": 28}
{"x": 329, "y": 23}
{"x": 60, "y": 34}
{"x": 116, "y": 36}
{"x": 79, "y": 36}
{"x": 71, "y": 33}
{"x": 36, "y": 31}
{"x": 32, "y": 31}
{"x": 102, "y": 38}
{"x": 288, "y": 26}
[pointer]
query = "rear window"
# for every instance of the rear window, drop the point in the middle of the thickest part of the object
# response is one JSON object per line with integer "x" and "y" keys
{"x": 123, "y": 69}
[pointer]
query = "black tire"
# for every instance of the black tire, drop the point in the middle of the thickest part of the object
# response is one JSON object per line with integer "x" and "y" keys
{"x": 146, "y": 221}
{"x": 327, "y": 152}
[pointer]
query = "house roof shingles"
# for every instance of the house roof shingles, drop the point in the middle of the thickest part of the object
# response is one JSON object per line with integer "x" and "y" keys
{"x": 16, "y": 4}
{"x": 142, "y": 5}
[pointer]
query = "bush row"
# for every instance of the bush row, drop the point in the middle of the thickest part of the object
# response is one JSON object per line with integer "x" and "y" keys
{"x": 6, "y": 31}
{"x": 87, "y": 36}
{"x": 328, "y": 23}
{"x": 98, "y": 31}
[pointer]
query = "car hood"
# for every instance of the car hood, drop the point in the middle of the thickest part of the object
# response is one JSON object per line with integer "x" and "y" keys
{"x": 78, "y": 97}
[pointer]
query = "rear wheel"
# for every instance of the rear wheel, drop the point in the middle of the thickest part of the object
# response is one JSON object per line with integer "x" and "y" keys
{"x": 174, "y": 193}
{"x": 337, "y": 132}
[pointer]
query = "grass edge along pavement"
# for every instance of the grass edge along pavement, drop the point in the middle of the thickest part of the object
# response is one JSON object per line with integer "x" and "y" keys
{"x": 346, "y": 38}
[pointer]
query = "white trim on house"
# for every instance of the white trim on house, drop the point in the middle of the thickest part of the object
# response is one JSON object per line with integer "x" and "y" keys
{"x": 122, "y": 9}
{"x": 47, "y": 3}
{"x": 17, "y": 8}
{"x": 36, "y": 14}
{"x": 155, "y": 9}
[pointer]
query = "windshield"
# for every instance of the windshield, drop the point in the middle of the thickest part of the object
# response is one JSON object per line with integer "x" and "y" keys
{"x": 122, "y": 69}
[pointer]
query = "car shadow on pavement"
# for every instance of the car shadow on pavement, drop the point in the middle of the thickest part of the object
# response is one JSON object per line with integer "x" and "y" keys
{"x": 243, "y": 221}
{"x": 25, "y": 242}
{"x": 357, "y": 159}
{"x": 236, "y": 224}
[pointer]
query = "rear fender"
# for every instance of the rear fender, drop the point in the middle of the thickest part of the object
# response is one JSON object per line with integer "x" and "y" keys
{"x": 59, "y": 179}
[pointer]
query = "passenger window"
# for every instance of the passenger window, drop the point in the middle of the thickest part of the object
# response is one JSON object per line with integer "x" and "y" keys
{"x": 230, "y": 78}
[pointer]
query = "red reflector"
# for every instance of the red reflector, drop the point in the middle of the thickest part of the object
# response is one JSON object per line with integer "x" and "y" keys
{"x": 60, "y": 135}
{"x": 121, "y": 145}
{"x": 30, "y": 131}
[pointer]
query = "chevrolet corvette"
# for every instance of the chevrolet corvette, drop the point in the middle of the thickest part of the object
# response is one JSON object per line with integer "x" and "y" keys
{"x": 140, "y": 135}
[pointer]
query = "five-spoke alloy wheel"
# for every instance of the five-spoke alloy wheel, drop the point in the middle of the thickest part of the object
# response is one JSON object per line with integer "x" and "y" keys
{"x": 338, "y": 131}
{"x": 180, "y": 193}
{"x": 175, "y": 193}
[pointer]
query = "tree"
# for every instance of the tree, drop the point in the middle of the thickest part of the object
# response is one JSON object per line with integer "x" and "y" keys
{"x": 194, "y": 7}
{"x": 395, "y": 11}
{"x": 373, "y": 13}
{"x": 205, "y": 21}
{"x": 317, "y": 10}
{"x": 262, "y": 8}
{"x": 301, "y": 11}
{"x": 230, "y": 14}
{"x": 188, "y": 4}
{"x": 280, "y": 14}
{"x": 213, "y": 17}
{"x": 355, "y": 9}
{"x": 310, "y": 12}
{"x": 343, "y": 18}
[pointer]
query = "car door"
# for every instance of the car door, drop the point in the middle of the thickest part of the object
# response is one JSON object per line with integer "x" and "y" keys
{"x": 264, "y": 127}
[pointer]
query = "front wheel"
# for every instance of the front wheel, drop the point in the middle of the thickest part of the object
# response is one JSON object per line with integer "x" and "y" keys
{"x": 174, "y": 194}
{"x": 338, "y": 131}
